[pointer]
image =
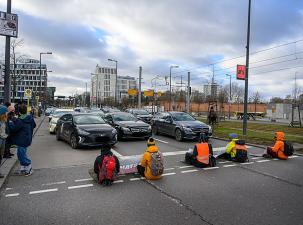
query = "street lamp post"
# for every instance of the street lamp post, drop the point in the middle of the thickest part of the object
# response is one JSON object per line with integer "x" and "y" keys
{"x": 116, "y": 83}
{"x": 170, "y": 68}
{"x": 229, "y": 95}
{"x": 40, "y": 88}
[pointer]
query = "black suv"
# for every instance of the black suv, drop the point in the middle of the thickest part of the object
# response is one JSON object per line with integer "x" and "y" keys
{"x": 180, "y": 125}
{"x": 141, "y": 114}
{"x": 128, "y": 126}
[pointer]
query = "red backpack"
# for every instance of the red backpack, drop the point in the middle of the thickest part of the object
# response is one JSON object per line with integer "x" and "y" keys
{"x": 107, "y": 170}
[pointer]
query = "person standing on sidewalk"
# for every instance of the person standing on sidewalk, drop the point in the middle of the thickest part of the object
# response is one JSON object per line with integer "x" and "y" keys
{"x": 10, "y": 117}
{"x": 21, "y": 134}
{"x": 3, "y": 135}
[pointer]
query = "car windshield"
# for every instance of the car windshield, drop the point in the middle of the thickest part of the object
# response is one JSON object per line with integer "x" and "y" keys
{"x": 58, "y": 113}
{"x": 88, "y": 119}
{"x": 124, "y": 117}
{"x": 182, "y": 117}
{"x": 141, "y": 112}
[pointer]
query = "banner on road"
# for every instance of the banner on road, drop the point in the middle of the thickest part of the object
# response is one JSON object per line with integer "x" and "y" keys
{"x": 149, "y": 93}
{"x": 132, "y": 92}
{"x": 8, "y": 24}
{"x": 241, "y": 72}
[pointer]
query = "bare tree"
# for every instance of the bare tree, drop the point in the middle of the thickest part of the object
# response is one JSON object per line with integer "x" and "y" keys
{"x": 255, "y": 98}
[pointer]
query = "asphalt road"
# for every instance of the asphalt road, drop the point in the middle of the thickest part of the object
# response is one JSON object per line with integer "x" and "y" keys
{"x": 61, "y": 192}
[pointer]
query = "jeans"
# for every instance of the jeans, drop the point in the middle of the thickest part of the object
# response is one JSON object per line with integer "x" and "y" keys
{"x": 22, "y": 156}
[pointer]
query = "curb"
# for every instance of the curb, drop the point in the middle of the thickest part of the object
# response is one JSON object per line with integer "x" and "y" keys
{"x": 10, "y": 163}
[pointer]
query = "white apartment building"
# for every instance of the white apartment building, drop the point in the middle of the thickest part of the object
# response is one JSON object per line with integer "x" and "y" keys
{"x": 25, "y": 75}
{"x": 103, "y": 85}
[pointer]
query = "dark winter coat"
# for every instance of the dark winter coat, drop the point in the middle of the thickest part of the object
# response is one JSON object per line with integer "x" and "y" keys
{"x": 21, "y": 130}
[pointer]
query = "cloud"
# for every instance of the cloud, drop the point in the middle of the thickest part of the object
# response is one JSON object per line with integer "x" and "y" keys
{"x": 157, "y": 34}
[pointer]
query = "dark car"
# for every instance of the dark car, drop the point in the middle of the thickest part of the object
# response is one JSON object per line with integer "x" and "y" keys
{"x": 180, "y": 125}
{"x": 128, "y": 126}
{"x": 141, "y": 114}
{"x": 85, "y": 130}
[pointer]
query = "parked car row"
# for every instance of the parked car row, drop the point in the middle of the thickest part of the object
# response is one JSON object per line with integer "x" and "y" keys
{"x": 92, "y": 127}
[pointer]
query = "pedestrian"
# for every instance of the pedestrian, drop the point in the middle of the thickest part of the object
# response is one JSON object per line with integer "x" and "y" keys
{"x": 280, "y": 149}
{"x": 202, "y": 155}
{"x": 151, "y": 166}
{"x": 236, "y": 150}
{"x": 3, "y": 135}
{"x": 21, "y": 131}
{"x": 10, "y": 117}
{"x": 106, "y": 166}
{"x": 212, "y": 116}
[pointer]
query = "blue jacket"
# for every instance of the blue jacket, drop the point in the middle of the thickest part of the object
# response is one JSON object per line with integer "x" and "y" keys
{"x": 21, "y": 131}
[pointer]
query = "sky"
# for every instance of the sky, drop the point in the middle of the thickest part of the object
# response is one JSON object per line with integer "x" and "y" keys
{"x": 200, "y": 36}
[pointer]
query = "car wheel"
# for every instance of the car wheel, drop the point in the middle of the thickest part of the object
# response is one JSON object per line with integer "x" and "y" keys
{"x": 178, "y": 135}
{"x": 73, "y": 141}
{"x": 58, "y": 136}
{"x": 155, "y": 130}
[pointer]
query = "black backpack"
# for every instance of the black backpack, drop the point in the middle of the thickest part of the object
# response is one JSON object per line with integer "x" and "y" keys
{"x": 241, "y": 154}
{"x": 288, "y": 148}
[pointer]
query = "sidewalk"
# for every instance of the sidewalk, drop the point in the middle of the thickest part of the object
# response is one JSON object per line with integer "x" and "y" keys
{"x": 8, "y": 164}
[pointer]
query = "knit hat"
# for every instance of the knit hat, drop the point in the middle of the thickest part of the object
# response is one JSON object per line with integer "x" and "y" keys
{"x": 3, "y": 109}
{"x": 151, "y": 142}
{"x": 233, "y": 135}
{"x": 11, "y": 109}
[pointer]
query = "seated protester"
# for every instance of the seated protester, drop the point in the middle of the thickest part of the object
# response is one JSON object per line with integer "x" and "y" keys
{"x": 236, "y": 150}
{"x": 202, "y": 155}
{"x": 281, "y": 149}
{"x": 151, "y": 166}
{"x": 106, "y": 166}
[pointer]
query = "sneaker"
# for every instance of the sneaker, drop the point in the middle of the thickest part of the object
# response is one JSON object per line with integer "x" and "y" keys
{"x": 28, "y": 173}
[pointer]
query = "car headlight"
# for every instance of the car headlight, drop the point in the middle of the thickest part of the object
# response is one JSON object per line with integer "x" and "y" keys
{"x": 187, "y": 129}
{"x": 114, "y": 132}
{"x": 210, "y": 129}
{"x": 149, "y": 128}
{"x": 82, "y": 132}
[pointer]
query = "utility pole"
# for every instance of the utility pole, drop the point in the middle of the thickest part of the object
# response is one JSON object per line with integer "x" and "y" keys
{"x": 170, "y": 68}
{"x": 140, "y": 82}
{"x": 7, "y": 78}
{"x": 85, "y": 101}
{"x": 246, "y": 74}
{"x": 188, "y": 92}
{"x": 229, "y": 95}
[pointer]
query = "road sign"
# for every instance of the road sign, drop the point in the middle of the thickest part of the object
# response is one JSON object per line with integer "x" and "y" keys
{"x": 241, "y": 72}
{"x": 159, "y": 93}
{"x": 28, "y": 93}
{"x": 149, "y": 93}
{"x": 132, "y": 92}
{"x": 8, "y": 24}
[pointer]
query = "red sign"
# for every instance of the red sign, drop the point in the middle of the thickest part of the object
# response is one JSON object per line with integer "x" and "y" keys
{"x": 241, "y": 72}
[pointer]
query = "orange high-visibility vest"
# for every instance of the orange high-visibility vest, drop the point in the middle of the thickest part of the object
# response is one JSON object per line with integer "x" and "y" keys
{"x": 203, "y": 153}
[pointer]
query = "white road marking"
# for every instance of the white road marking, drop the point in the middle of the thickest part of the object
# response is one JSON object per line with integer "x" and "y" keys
{"x": 247, "y": 163}
{"x": 116, "y": 153}
{"x": 189, "y": 171}
{"x": 134, "y": 179}
{"x": 256, "y": 157}
{"x": 225, "y": 162}
{"x": 183, "y": 167}
{"x": 48, "y": 184}
{"x": 293, "y": 156}
{"x": 168, "y": 174}
{"x": 86, "y": 179}
{"x": 43, "y": 191}
{"x": 232, "y": 165}
{"x": 165, "y": 142}
{"x": 118, "y": 181}
{"x": 7, "y": 189}
{"x": 12, "y": 195}
{"x": 265, "y": 160}
{"x": 174, "y": 153}
{"x": 211, "y": 168}
{"x": 169, "y": 169}
{"x": 275, "y": 159}
{"x": 80, "y": 186}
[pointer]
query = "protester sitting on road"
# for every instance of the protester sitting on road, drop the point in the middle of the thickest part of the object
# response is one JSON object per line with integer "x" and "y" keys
{"x": 21, "y": 131}
{"x": 106, "y": 166}
{"x": 202, "y": 155}
{"x": 236, "y": 149}
{"x": 3, "y": 135}
{"x": 278, "y": 150}
{"x": 151, "y": 166}
{"x": 8, "y": 143}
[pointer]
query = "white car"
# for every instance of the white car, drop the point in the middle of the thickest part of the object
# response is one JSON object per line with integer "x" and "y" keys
{"x": 55, "y": 117}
